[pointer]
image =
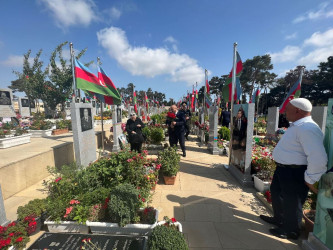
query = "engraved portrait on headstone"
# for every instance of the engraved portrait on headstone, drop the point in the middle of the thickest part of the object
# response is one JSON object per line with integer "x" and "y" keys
{"x": 239, "y": 135}
{"x": 93, "y": 104}
{"x": 5, "y": 98}
{"x": 86, "y": 120}
{"x": 25, "y": 103}
{"x": 119, "y": 114}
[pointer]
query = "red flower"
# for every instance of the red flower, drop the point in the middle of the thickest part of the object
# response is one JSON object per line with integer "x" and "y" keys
{"x": 19, "y": 239}
{"x": 143, "y": 199}
{"x": 11, "y": 234}
{"x": 58, "y": 179}
{"x": 171, "y": 115}
{"x": 173, "y": 220}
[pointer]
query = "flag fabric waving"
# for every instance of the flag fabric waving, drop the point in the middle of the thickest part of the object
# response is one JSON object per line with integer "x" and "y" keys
{"x": 192, "y": 101}
{"x": 227, "y": 88}
{"x": 294, "y": 92}
{"x": 105, "y": 80}
{"x": 207, "y": 101}
{"x": 206, "y": 81}
{"x": 134, "y": 102}
{"x": 255, "y": 95}
{"x": 87, "y": 81}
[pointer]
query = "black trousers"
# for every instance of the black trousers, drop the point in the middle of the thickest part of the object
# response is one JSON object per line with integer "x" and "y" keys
{"x": 289, "y": 192}
{"x": 136, "y": 147}
{"x": 174, "y": 138}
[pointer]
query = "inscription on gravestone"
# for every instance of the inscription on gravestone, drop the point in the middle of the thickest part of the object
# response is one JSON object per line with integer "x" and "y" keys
{"x": 74, "y": 242}
{"x": 24, "y": 107}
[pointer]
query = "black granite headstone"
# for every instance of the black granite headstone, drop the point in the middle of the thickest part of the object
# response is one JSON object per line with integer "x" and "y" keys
{"x": 75, "y": 241}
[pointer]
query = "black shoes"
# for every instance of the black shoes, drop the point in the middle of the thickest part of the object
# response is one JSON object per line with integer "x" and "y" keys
{"x": 184, "y": 154}
{"x": 270, "y": 220}
{"x": 278, "y": 232}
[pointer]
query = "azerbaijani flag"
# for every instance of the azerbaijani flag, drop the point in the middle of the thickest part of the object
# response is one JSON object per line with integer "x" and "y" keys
{"x": 206, "y": 81}
{"x": 105, "y": 80}
{"x": 192, "y": 101}
{"x": 255, "y": 95}
{"x": 147, "y": 101}
{"x": 207, "y": 101}
{"x": 227, "y": 88}
{"x": 86, "y": 80}
{"x": 294, "y": 92}
{"x": 134, "y": 102}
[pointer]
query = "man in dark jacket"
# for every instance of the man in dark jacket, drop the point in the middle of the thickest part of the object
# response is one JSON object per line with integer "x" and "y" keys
{"x": 134, "y": 128}
{"x": 187, "y": 119}
{"x": 176, "y": 128}
{"x": 225, "y": 115}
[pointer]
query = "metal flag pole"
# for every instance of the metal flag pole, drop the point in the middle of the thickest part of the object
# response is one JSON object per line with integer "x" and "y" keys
{"x": 232, "y": 99}
{"x": 99, "y": 63}
{"x": 73, "y": 71}
{"x": 204, "y": 97}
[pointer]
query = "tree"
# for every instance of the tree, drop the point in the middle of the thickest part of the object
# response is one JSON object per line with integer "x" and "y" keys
{"x": 216, "y": 83}
{"x": 256, "y": 71}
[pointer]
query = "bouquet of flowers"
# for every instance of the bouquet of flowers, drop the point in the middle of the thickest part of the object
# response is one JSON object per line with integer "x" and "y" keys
{"x": 171, "y": 117}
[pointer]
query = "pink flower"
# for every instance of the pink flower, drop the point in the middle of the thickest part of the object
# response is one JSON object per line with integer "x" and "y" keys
{"x": 143, "y": 199}
{"x": 74, "y": 202}
{"x": 58, "y": 179}
{"x": 129, "y": 160}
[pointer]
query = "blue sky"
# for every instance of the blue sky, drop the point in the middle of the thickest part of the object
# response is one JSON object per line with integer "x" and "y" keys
{"x": 166, "y": 45}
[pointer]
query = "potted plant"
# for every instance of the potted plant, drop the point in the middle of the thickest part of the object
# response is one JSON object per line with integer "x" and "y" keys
{"x": 32, "y": 214}
{"x": 61, "y": 127}
{"x": 123, "y": 214}
{"x": 163, "y": 237}
{"x": 169, "y": 160}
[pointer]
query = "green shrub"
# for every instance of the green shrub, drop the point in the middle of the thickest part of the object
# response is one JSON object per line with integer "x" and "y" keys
{"x": 157, "y": 118}
{"x": 34, "y": 208}
{"x": 166, "y": 238}
{"x": 146, "y": 132}
{"x": 124, "y": 204}
{"x": 224, "y": 133}
{"x": 156, "y": 135}
{"x": 41, "y": 125}
{"x": 169, "y": 160}
{"x": 61, "y": 124}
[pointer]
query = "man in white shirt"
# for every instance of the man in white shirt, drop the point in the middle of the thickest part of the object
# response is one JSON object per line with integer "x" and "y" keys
{"x": 300, "y": 162}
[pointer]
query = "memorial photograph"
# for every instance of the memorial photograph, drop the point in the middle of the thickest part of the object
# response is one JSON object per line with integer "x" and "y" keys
{"x": 32, "y": 104}
{"x": 119, "y": 115}
{"x": 5, "y": 98}
{"x": 239, "y": 134}
{"x": 25, "y": 103}
{"x": 86, "y": 120}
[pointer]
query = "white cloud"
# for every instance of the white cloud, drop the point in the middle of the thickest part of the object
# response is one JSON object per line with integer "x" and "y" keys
{"x": 147, "y": 61}
{"x": 170, "y": 39}
{"x": 320, "y": 39}
{"x": 289, "y": 53}
{"x": 316, "y": 56}
{"x": 291, "y": 36}
{"x": 322, "y": 12}
{"x": 114, "y": 13}
{"x": 14, "y": 61}
{"x": 72, "y": 12}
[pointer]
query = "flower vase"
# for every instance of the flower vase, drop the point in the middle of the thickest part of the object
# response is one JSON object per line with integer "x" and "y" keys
{"x": 308, "y": 221}
{"x": 261, "y": 185}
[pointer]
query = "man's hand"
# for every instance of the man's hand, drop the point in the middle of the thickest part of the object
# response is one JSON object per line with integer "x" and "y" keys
{"x": 139, "y": 125}
{"x": 133, "y": 132}
{"x": 173, "y": 123}
{"x": 312, "y": 187}
{"x": 187, "y": 117}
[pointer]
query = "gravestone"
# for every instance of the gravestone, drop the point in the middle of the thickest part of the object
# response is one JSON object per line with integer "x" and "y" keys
{"x": 116, "y": 129}
{"x": 6, "y": 103}
{"x": 130, "y": 111}
{"x": 68, "y": 110}
{"x": 272, "y": 120}
{"x": 24, "y": 107}
{"x": 94, "y": 110}
{"x": 119, "y": 114}
{"x": 75, "y": 241}
{"x": 319, "y": 115}
{"x": 201, "y": 121}
{"x": 83, "y": 133}
{"x": 241, "y": 143}
{"x": 212, "y": 142}
{"x": 139, "y": 112}
{"x": 3, "y": 218}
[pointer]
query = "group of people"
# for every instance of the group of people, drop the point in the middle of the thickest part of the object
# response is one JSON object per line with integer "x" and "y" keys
{"x": 300, "y": 159}
{"x": 178, "y": 122}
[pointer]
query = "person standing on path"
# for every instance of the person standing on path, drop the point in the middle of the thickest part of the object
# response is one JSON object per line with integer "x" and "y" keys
{"x": 188, "y": 116}
{"x": 300, "y": 162}
{"x": 134, "y": 128}
{"x": 176, "y": 128}
{"x": 225, "y": 115}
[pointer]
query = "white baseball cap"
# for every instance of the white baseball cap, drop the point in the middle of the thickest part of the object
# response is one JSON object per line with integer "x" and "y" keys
{"x": 302, "y": 103}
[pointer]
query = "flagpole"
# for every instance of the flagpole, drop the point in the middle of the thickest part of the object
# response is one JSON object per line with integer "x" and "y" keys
{"x": 73, "y": 71}
{"x": 99, "y": 63}
{"x": 232, "y": 99}
{"x": 204, "y": 97}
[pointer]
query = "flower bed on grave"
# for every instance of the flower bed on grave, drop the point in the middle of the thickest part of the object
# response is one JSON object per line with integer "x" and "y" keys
{"x": 11, "y": 135}
{"x": 262, "y": 166}
{"x": 154, "y": 135}
{"x": 111, "y": 190}
{"x": 260, "y": 127}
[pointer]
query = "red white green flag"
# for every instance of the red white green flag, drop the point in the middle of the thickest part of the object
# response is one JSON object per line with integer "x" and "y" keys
{"x": 206, "y": 81}
{"x": 227, "y": 88}
{"x": 255, "y": 95}
{"x": 294, "y": 92}
{"x": 134, "y": 102}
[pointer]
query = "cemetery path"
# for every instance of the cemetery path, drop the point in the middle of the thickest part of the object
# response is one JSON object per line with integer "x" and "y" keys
{"x": 215, "y": 211}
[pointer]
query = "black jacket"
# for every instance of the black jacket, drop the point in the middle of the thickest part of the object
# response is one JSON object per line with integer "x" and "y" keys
{"x": 132, "y": 126}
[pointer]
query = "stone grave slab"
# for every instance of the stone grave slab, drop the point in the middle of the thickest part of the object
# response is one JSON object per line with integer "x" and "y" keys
{"x": 74, "y": 241}
{"x": 116, "y": 121}
{"x": 6, "y": 103}
{"x": 319, "y": 115}
{"x": 212, "y": 142}
{"x": 3, "y": 218}
{"x": 24, "y": 107}
{"x": 272, "y": 120}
